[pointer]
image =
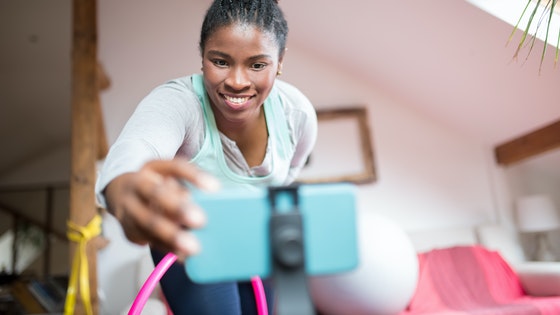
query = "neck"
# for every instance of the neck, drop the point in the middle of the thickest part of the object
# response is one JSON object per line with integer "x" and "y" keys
{"x": 240, "y": 129}
{"x": 250, "y": 137}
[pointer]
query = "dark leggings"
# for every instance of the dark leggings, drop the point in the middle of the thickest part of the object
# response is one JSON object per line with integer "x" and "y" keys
{"x": 188, "y": 298}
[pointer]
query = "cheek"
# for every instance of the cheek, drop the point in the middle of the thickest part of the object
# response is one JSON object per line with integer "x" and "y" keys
{"x": 266, "y": 82}
{"x": 211, "y": 78}
{"x": 207, "y": 70}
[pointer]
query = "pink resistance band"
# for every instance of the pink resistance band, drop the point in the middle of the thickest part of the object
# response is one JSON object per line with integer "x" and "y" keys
{"x": 161, "y": 269}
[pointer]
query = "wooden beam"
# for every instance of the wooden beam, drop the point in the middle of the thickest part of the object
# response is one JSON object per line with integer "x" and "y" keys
{"x": 85, "y": 100}
{"x": 529, "y": 145}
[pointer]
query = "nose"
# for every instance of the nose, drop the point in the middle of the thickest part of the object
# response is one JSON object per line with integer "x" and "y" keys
{"x": 238, "y": 79}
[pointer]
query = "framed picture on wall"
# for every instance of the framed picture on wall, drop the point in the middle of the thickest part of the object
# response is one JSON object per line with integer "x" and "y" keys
{"x": 344, "y": 150}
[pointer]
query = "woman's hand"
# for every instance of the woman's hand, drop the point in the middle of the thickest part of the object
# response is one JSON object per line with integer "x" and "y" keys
{"x": 154, "y": 208}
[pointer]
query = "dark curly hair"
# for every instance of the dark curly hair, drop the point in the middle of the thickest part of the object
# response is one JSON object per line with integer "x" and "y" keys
{"x": 266, "y": 15}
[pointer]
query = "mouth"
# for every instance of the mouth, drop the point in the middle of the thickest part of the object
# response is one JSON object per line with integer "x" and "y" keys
{"x": 236, "y": 102}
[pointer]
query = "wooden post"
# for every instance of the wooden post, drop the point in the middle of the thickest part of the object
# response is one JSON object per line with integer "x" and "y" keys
{"x": 85, "y": 98}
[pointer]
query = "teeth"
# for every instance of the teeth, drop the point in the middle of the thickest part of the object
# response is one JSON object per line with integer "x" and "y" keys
{"x": 237, "y": 100}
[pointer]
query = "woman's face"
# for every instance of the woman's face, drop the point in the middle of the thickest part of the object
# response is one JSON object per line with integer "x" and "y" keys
{"x": 239, "y": 64}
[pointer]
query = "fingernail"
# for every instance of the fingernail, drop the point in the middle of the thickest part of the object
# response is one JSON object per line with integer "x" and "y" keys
{"x": 195, "y": 216}
{"x": 208, "y": 182}
{"x": 187, "y": 243}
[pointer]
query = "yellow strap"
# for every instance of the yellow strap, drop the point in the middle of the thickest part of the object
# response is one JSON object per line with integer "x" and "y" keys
{"x": 81, "y": 235}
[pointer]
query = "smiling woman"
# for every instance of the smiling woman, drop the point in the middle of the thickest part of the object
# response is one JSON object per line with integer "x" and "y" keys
{"x": 236, "y": 125}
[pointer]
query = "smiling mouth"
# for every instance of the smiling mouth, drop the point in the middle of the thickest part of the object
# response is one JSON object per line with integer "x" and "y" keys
{"x": 236, "y": 101}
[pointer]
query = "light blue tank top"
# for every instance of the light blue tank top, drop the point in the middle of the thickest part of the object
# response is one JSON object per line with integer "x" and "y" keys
{"x": 211, "y": 156}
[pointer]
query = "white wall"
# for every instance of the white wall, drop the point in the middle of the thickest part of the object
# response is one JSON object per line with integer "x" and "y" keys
{"x": 526, "y": 178}
{"x": 428, "y": 174}
{"x": 142, "y": 44}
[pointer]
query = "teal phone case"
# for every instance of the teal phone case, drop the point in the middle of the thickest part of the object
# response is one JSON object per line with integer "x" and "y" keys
{"x": 235, "y": 240}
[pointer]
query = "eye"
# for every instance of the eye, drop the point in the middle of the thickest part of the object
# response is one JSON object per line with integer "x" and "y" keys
{"x": 220, "y": 63}
{"x": 258, "y": 66}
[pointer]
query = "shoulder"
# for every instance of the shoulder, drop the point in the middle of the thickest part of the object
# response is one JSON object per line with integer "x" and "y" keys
{"x": 300, "y": 113}
{"x": 176, "y": 88}
{"x": 174, "y": 97}
{"x": 291, "y": 93}
{"x": 294, "y": 101}
{"x": 171, "y": 105}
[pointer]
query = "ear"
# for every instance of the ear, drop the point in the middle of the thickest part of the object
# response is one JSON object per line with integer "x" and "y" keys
{"x": 281, "y": 61}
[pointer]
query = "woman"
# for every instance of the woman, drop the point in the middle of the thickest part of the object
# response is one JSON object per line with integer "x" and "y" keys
{"x": 235, "y": 125}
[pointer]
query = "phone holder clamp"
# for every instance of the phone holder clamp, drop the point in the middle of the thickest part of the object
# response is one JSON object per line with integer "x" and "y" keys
{"x": 288, "y": 252}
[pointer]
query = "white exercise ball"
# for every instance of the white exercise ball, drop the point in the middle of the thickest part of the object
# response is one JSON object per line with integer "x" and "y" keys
{"x": 382, "y": 284}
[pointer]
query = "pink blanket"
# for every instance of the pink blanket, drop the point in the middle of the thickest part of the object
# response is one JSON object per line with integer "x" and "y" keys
{"x": 473, "y": 280}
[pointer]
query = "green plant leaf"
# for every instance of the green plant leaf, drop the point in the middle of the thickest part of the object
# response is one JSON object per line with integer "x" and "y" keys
{"x": 526, "y": 32}
{"x": 546, "y": 16}
{"x": 518, "y": 22}
{"x": 551, "y": 12}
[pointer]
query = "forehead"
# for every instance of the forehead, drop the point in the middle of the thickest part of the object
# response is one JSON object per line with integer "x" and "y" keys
{"x": 241, "y": 36}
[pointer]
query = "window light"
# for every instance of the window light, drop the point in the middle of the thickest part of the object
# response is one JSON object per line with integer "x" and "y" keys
{"x": 510, "y": 11}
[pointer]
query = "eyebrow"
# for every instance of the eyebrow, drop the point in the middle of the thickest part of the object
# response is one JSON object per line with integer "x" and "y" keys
{"x": 224, "y": 55}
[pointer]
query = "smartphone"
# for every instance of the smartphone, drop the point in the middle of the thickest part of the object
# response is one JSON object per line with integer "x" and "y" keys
{"x": 235, "y": 241}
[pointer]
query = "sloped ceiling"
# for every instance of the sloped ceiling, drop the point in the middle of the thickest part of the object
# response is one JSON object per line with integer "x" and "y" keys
{"x": 446, "y": 58}
{"x": 34, "y": 79}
